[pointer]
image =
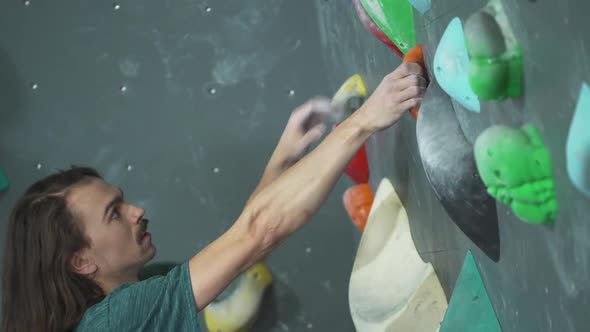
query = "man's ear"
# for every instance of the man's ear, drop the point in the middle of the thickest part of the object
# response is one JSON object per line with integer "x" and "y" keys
{"x": 82, "y": 264}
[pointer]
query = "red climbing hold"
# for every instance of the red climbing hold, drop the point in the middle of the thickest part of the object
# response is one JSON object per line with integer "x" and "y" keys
{"x": 358, "y": 168}
{"x": 373, "y": 28}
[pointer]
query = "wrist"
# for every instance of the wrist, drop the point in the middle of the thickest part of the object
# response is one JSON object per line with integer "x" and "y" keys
{"x": 359, "y": 120}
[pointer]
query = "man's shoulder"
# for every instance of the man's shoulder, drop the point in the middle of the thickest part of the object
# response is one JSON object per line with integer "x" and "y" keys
{"x": 95, "y": 318}
{"x": 145, "y": 302}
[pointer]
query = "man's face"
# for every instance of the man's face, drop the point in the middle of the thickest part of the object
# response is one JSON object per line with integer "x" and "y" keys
{"x": 119, "y": 242}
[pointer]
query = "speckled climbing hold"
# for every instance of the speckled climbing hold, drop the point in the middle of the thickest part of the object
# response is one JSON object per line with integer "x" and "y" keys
{"x": 578, "y": 143}
{"x": 239, "y": 310}
{"x": 357, "y": 201}
{"x": 495, "y": 70}
{"x": 515, "y": 166}
{"x": 416, "y": 55}
{"x": 396, "y": 19}
{"x": 370, "y": 25}
{"x": 3, "y": 181}
{"x": 451, "y": 66}
{"x": 421, "y": 5}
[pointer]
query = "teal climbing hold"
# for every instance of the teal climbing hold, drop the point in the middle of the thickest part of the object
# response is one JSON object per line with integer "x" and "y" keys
{"x": 515, "y": 166}
{"x": 495, "y": 71}
{"x": 470, "y": 308}
{"x": 3, "y": 181}
{"x": 451, "y": 66}
{"x": 421, "y": 5}
{"x": 578, "y": 143}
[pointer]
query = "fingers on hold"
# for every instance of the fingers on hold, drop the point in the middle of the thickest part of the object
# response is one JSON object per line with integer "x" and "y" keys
{"x": 407, "y": 68}
{"x": 422, "y": 81}
{"x": 411, "y": 92}
{"x": 410, "y": 81}
{"x": 410, "y": 103}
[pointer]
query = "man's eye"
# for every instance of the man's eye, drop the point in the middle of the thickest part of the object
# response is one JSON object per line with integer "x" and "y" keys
{"x": 115, "y": 214}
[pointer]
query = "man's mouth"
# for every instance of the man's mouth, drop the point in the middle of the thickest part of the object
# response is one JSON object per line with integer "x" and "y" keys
{"x": 142, "y": 233}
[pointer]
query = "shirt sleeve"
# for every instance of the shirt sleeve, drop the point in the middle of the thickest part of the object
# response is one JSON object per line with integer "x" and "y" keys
{"x": 161, "y": 303}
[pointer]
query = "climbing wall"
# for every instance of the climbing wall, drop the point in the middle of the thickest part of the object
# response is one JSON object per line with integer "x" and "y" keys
{"x": 536, "y": 276}
{"x": 180, "y": 103}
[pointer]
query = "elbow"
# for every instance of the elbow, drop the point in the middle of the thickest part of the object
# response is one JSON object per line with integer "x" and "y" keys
{"x": 264, "y": 227}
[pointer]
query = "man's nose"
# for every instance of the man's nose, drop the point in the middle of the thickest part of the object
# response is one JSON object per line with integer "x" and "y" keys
{"x": 136, "y": 213}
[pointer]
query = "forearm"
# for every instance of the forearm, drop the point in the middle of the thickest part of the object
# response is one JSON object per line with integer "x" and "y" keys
{"x": 288, "y": 203}
{"x": 273, "y": 170}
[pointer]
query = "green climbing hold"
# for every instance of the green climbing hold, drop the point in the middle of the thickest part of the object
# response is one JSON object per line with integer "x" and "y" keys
{"x": 515, "y": 166}
{"x": 3, "y": 181}
{"x": 470, "y": 308}
{"x": 495, "y": 69}
{"x": 396, "y": 19}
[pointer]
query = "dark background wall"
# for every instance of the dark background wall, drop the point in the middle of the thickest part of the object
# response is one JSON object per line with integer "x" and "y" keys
{"x": 127, "y": 88}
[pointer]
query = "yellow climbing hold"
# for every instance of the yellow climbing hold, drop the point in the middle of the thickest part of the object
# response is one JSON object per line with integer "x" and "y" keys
{"x": 238, "y": 311}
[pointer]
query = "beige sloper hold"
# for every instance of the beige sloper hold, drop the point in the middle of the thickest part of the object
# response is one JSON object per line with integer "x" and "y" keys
{"x": 391, "y": 288}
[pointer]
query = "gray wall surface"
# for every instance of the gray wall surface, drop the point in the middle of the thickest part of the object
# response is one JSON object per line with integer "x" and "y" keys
{"x": 190, "y": 157}
{"x": 541, "y": 280}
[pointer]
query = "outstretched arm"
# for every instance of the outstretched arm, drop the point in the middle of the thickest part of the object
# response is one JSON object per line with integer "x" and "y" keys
{"x": 289, "y": 201}
{"x": 302, "y": 130}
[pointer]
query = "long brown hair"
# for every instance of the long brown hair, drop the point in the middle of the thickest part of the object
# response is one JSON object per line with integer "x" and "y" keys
{"x": 40, "y": 291}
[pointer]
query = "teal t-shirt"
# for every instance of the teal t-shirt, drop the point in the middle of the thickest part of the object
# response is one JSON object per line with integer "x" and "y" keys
{"x": 161, "y": 303}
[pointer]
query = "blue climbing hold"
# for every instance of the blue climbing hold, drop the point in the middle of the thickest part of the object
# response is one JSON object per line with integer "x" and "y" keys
{"x": 421, "y": 5}
{"x": 578, "y": 143}
{"x": 451, "y": 66}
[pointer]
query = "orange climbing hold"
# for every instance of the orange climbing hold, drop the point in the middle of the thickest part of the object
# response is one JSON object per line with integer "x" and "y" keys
{"x": 416, "y": 55}
{"x": 357, "y": 203}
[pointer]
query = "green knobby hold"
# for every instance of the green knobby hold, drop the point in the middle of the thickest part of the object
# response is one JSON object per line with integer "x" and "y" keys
{"x": 515, "y": 166}
{"x": 495, "y": 70}
{"x": 3, "y": 181}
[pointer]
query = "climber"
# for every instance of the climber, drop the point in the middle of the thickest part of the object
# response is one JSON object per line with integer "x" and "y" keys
{"x": 75, "y": 246}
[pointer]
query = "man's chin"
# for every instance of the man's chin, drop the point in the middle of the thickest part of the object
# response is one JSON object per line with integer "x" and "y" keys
{"x": 151, "y": 252}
